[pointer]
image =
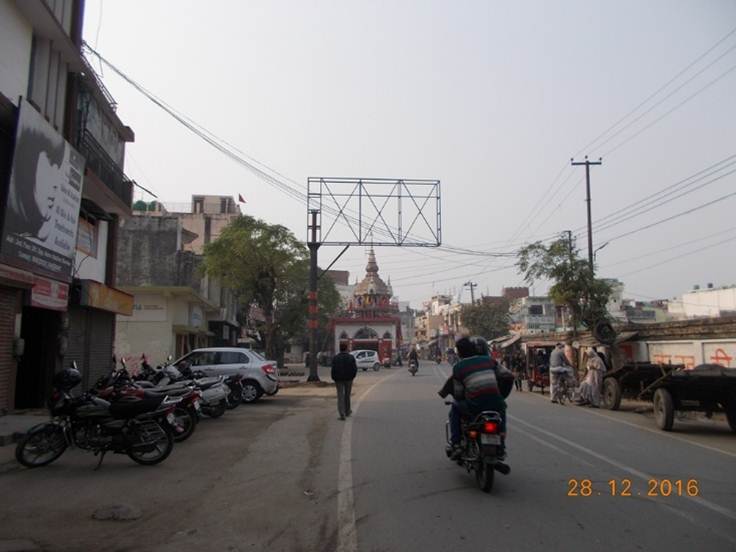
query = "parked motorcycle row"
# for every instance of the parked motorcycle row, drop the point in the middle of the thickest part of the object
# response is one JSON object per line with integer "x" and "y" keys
{"x": 140, "y": 415}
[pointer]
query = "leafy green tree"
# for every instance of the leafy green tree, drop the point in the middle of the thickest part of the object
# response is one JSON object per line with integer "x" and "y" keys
{"x": 574, "y": 284}
{"x": 266, "y": 266}
{"x": 489, "y": 320}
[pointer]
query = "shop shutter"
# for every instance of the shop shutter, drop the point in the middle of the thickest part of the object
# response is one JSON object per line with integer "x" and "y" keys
{"x": 102, "y": 325}
{"x": 76, "y": 340}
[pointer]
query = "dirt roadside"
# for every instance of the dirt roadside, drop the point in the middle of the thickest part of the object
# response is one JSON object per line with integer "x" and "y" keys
{"x": 262, "y": 477}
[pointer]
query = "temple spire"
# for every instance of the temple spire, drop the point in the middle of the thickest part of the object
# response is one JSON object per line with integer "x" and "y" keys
{"x": 372, "y": 266}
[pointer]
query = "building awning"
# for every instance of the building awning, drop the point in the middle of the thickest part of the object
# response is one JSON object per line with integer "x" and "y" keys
{"x": 99, "y": 296}
{"x": 590, "y": 341}
{"x": 509, "y": 341}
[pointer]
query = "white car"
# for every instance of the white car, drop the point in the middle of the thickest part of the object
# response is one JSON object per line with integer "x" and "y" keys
{"x": 366, "y": 358}
{"x": 260, "y": 376}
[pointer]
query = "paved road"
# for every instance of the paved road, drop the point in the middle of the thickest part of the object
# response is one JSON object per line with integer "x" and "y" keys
{"x": 408, "y": 496}
{"x": 286, "y": 475}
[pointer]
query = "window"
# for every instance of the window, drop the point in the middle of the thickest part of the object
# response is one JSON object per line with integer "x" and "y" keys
{"x": 361, "y": 355}
{"x": 87, "y": 238}
{"x": 232, "y": 357}
{"x": 200, "y": 358}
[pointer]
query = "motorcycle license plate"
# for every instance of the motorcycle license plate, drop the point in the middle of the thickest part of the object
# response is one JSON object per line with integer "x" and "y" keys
{"x": 197, "y": 406}
{"x": 487, "y": 439}
{"x": 171, "y": 418}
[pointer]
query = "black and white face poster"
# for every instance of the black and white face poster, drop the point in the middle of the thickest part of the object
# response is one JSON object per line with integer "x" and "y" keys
{"x": 40, "y": 230}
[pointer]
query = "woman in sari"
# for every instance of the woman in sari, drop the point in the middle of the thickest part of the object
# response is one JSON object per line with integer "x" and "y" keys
{"x": 592, "y": 385}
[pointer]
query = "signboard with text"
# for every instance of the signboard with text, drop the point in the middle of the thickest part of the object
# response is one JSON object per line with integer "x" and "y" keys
{"x": 44, "y": 194}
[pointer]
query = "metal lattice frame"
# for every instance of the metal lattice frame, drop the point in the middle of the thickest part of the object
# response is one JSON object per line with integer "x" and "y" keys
{"x": 359, "y": 208}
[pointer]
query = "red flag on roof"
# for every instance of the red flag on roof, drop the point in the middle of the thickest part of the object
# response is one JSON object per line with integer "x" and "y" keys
{"x": 240, "y": 199}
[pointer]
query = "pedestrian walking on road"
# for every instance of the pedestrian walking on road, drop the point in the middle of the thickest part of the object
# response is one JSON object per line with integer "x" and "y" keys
{"x": 344, "y": 370}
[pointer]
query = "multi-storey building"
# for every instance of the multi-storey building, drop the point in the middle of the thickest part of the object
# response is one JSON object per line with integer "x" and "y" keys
{"x": 176, "y": 307}
{"x": 62, "y": 149}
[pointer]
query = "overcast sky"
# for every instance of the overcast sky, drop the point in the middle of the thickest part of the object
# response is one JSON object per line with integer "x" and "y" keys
{"x": 492, "y": 98}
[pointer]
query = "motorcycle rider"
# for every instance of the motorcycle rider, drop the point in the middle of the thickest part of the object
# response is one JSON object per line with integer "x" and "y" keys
{"x": 414, "y": 357}
{"x": 474, "y": 384}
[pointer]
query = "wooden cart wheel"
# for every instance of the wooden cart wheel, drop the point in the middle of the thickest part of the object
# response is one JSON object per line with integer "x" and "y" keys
{"x": 731, "y": 413}
{"x": 664, "y": 409}
{"x": 611, "y": 394}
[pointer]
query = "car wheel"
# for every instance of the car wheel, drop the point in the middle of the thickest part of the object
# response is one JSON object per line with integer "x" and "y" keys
{"x": 251, "y": 392}
{"x": 376, "y": 367}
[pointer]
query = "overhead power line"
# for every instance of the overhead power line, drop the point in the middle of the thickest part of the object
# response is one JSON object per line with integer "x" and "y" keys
{"x": 664, "y": 99}
{"x": 681, "y": 256}
{"x": 673, "y": 217}
{"x": 261, "y": 170}
{"x": 649, "y": 98}
{"x": 659, "y": 251}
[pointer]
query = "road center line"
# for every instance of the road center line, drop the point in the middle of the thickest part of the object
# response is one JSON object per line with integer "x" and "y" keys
{"x": 553, "y": 447}
{"x": 633, "y": 471}
{"x": 347, "y": 534}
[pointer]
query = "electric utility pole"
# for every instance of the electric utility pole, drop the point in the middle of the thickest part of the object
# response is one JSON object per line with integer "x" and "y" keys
{"x": 569, "y": 245}
{"x": 312, "y": 322}
{"x": 472, "y": 286}
{"x": 587, "y": 199}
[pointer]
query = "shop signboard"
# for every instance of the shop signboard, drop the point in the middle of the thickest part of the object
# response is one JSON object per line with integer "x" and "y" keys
{"x": 42, "y": 209}
{"x": 49, "y": 294}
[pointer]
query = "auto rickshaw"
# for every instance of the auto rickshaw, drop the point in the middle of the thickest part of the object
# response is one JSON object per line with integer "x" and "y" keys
{"x": 537, "y": 366}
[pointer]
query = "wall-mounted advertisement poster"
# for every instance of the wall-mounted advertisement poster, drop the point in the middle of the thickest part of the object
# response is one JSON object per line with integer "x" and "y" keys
{"x": 45, "y": 190}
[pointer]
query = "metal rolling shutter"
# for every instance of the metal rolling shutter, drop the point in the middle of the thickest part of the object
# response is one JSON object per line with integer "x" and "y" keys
{"x": 102, "y": 327}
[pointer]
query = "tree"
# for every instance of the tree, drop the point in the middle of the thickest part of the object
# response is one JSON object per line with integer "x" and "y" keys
{"x": 574, "y": 284}
{"x": 489, "y": 320}
{"x": 266, "y": 266}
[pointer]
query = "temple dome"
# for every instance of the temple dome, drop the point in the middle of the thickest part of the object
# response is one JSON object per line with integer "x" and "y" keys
{"x": 372, "y": 284}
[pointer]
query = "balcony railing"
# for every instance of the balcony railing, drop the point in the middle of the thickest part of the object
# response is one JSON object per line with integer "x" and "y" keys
{"x": 105, "y": 168}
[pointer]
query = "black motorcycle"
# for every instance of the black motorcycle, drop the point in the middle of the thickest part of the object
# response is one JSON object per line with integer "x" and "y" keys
{"x": 482, "y": 448}
{"x": 138, "y": 427}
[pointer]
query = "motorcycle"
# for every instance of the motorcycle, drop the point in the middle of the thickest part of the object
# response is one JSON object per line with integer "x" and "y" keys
{"x": 482, "y": 447}
{"x": 120, "y": 384}
{"x": 138, "y": 427}
{"x": 214, "y": 393}
{"x": 413, "y": 367}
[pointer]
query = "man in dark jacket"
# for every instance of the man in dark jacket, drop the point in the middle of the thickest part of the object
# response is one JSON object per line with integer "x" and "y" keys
{"x": 344, "y": 370}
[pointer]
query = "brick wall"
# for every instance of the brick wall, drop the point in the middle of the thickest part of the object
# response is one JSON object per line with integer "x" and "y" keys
{"x": 9, "y": 304}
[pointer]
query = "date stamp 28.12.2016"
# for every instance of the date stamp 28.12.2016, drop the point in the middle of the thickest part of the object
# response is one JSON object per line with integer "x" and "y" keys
{"x": 625, "y": 487}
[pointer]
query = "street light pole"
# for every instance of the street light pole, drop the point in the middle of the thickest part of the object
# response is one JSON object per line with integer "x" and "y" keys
{"x": 587, "y": 199}
{"x": 598, "y": 249}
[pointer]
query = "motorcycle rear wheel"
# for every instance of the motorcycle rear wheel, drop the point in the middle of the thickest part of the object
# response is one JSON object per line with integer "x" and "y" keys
{"x": 50, "y": 440}
{"x": 234, "y": 399}
{"x": 188, "y": 421}
{"x": 484, "y": 476}
{"x": 162, "y": 448}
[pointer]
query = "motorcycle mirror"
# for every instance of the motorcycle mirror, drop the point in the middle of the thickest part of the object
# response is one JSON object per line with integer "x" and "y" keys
{"x": 74, "y": 364}
{"x": 169, "y": 358}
